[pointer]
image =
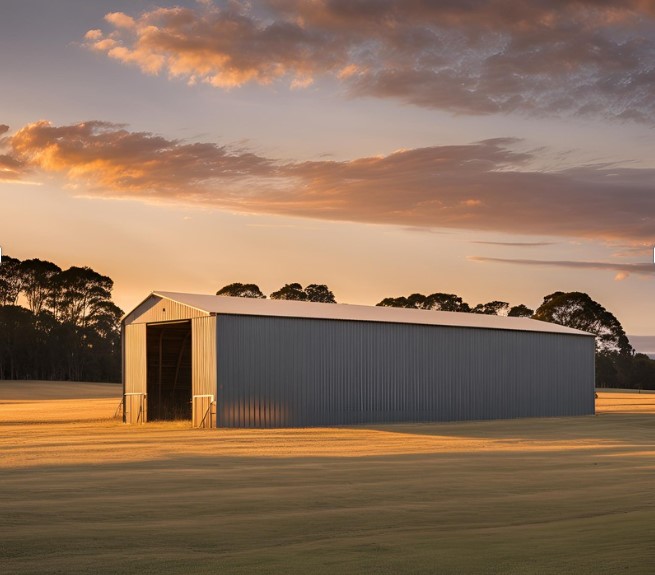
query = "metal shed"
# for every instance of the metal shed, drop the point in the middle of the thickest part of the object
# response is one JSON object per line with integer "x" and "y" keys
{"x": 236, "y": 362}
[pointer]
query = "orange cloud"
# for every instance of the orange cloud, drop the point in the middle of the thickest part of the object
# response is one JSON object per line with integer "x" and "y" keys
{"x": 474, "y": 57}
{"x": 11, "y": 169}
{"x": 481, "y": 186}
{"x": 111, "y": 160}
{"x": 224, "y": 48}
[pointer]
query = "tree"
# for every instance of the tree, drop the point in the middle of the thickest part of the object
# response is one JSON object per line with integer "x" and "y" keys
{"x": 436, "y": 301}
{"x": 313, "y": 292}
{"x": 290, "y": 292}
{"x": 71, "y": 330}
{"x": 607, "y": 374}
{"x": 579, "y": 311}
{"x": 642, "y": 372}
{"x": 37, "y": 278}
{"x": 241, "y": 290}
{"x": 319, "y": 293}
{"x": 11, "y": 280}
{"x": 446, "y": 302}
{"x": 79, "y": 295}
{"x": 17, "y": 335}
{"x": 412, "y": 302}
{"x": 491, "y": 308}
{"x": 520, "y": 311}
{"x": 88, "y": 319}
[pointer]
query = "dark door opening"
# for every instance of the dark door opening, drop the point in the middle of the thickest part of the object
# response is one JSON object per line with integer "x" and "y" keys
{"x": 169, "y": 370}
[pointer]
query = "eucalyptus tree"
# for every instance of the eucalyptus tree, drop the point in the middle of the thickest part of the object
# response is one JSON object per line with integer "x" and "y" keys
{"x": 579, "y": 311}
{"x": 520, "y": 310}
{"x": 37, "y": 282}
{"x": 11, "y": 280}
{"x": 318, "y": 293}
{"x": 492, "y": 308}
{"x": 241, "y": 290}
{"x": 437, "y": 301}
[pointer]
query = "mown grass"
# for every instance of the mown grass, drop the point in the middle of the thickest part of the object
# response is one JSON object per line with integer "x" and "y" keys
{"x": 81, "y": 493}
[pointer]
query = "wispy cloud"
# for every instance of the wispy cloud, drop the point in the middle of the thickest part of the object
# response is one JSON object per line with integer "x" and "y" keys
{"x": 474, "y": 57}
{"x": 483, "y": 186}
{"x": 622, "y": 270}
{"x": 515, "y": 244}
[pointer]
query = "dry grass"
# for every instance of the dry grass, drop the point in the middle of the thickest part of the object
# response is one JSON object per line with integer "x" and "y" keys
{"x": 82, "y": 493}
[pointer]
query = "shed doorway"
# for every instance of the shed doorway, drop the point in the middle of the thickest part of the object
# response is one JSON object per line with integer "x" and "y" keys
{"x": 169, "y": 370}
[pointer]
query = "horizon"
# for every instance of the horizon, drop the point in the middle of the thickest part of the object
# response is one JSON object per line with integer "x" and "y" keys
{"x": 379, "y": 149}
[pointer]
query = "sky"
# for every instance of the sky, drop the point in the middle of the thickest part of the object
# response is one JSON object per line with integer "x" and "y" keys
{"x": 492, "y": 149}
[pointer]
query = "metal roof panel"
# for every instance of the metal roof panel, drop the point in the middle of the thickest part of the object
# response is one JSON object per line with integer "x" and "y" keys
{"x": 285, "y": 308}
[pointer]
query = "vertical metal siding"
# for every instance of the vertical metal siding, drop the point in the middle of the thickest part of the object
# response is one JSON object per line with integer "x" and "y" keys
{"x": 134, "y": 373}
{"x": 203, "y": 355}
{"x": 135, "y": 359}
{"x": 276, "y": 372}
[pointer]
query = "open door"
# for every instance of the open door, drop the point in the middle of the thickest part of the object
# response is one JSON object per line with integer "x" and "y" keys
{"x": 169, "y": 371}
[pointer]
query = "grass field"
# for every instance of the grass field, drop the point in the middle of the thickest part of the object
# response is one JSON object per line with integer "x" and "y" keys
{"x": 82, "y": 493}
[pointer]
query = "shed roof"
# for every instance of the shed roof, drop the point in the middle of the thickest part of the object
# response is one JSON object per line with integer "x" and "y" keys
{"x": 212, "y": 304}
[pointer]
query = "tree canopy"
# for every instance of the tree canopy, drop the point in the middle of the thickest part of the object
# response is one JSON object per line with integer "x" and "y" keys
{"x": 313, "y": 292}
{"x": 319, "y": 293}
{"x": 520, "y": 311}
{"x": 435, "y": 301}
{"x": 579, "y": 311}
{"x": 241, "y": 290}
{"x": 491, "y": 308}
{"x": 450, "y": 302}
{"x": 37, "y": 278}
{"x": 70, "y": 328}
{"x": 11, "y": 280}
{"x": 293, "y": 291}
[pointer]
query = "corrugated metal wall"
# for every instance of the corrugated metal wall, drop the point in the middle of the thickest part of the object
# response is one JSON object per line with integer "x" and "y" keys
{"x": 203, "y": 355}
{"x": 135, "y": 358}
{"x": 134, "y": 371}
{"x": 276, "y": 372}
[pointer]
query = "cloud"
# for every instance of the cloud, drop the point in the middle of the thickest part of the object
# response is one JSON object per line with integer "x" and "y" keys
{"x": 427, "y": 188}
{"x": 110, "y": 160}
{"x": 10, "y": 169}
{"x": 623, "y": 270}
{"x": 516, "y": 244}
{"x": 120, "y": 20}
{"x": 475, "y": 57}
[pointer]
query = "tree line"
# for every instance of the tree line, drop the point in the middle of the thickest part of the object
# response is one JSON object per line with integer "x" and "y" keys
{"x": 67, "y": 327}
{"x": 617, "y": 364}
{"x": 63, "y": 325}
{"x": 317, "y": 293}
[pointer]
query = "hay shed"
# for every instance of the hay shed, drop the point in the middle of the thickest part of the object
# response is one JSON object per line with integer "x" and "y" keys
{"x": 237, "y": 362}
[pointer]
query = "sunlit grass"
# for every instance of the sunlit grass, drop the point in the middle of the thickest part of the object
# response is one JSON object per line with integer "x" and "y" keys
{"x": 82, "y": 493}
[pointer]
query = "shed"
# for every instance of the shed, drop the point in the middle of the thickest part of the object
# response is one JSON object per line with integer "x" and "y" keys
{"x": 237, "y": 362}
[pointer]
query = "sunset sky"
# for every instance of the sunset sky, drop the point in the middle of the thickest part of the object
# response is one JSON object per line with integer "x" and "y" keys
{"x": 493, "y": 149}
